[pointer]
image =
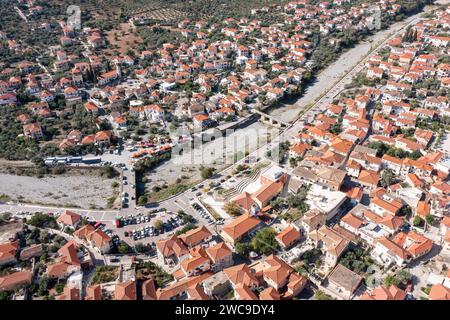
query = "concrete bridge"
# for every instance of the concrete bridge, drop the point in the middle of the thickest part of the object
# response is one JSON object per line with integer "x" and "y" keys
{"x": 265, "y": 118}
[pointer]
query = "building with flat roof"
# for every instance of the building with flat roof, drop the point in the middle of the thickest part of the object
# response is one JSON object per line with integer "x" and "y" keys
{"x": 344, "y": 281}
{"x": 326, "y": 201}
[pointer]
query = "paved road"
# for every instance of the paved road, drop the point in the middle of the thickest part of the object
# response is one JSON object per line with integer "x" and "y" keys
{"x": 107, "y": 216}
{"x": 182, "y": 201}
{"x": 421, "y": 271}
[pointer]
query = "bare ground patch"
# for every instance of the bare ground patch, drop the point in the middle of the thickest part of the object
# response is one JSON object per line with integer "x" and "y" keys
{"x": 122, "y": 39}
{"x": 85, "y": 190}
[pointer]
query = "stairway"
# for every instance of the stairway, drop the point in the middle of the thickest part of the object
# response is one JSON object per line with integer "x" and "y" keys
{"x": 239, "y": 188}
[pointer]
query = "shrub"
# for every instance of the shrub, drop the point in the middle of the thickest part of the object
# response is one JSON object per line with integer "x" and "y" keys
{"x": 207, "y": 172}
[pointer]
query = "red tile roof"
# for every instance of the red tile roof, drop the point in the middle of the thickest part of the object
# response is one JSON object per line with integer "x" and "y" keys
{"x": 125, "y": 291}
{"x": 383, "y": 293}
{"x": 288, "y": 236}
{"x": 11, "y": 281}
{"x": 240, "y": 226}
{"x": 439, "y": 292}
{"x": 94, "y": 292}
{"x": 69, "y": 218}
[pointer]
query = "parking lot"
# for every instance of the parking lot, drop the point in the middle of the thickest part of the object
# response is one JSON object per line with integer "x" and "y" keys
{"x": 144, "y": 228}
{"x": 204, "y": 213}
{"x": 140, "y": 226}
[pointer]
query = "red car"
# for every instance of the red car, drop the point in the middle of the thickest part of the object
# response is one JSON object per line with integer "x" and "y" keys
{"x": 97, "y": 225}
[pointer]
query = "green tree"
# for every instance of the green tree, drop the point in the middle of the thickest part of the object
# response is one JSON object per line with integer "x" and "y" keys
{"x": 4, "y": 295}
{"x": 142, "y": 248}
{"x": 380, "y": 147}
{"x": 278, "y": 202}
{"x": 124, "y": 248}
{"x": 400, "y": 279}
{"x": 387, "y": 178}
{"x": 429, "y": 219}
{"x": 43, "y": 287}
{"x": 417, "y": 221}
{"x": 356, "y": 260}
{"x": 142, "y": 200}
{"x": 41, "y": 220}
{"x": 320, "y": 295}
{"x": 264, "y": 241}
{"x": 335, "y": 128}
{"x": 405, "y": 211}
{"x": 187, "y": 218}
{"x": 243, "y": 248}
{"x": 59, "y": 288}
{"x": 298, "y": 200}
{"x": 232, "y": 208}
{"x": 186, "y": 228}
{"x": 159, "y": 224}
{"x": 415, "y": 155}
{"x": 293, "y": 162}
{"x": 206, "y": 172}
{"x": 109, "y": 172}
{"x": 403, "y": 276}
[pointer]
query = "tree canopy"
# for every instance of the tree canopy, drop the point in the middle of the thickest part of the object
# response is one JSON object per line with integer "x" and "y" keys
{"x": 264, "y": 241}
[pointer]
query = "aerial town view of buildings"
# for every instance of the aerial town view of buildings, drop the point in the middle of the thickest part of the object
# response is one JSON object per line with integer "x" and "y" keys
{"x": 225, "y": 150}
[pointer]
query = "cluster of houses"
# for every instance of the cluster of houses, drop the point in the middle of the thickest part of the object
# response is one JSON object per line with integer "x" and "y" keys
{"x": 67, "y": 264}
{"x": 208, "y": 270}
{"x": 252, "y": 64}
{"x": 371, "y": 152}
{"x": 340, "y": 167}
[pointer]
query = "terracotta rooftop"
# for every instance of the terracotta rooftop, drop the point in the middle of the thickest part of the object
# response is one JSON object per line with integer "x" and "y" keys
{"x": 125, "y": 291}
{"x": 241, "y": 225}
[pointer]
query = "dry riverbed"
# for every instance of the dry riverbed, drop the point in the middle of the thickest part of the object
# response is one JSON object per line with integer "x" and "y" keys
{"x": 85, "y": 189}
{"x": 218, "y": 154}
